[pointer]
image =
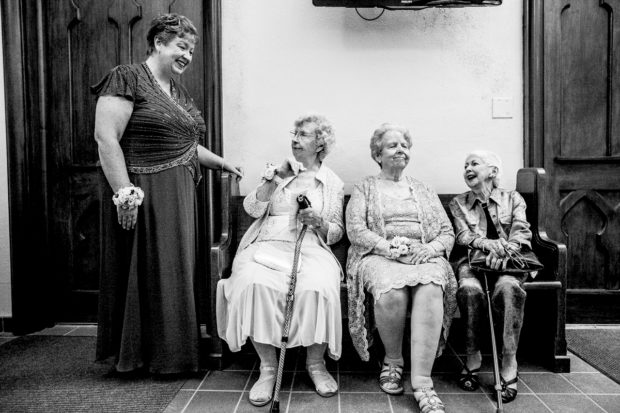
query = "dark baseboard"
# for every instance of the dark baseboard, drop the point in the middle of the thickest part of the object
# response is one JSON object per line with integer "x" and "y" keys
{"x": 6, "y": 324}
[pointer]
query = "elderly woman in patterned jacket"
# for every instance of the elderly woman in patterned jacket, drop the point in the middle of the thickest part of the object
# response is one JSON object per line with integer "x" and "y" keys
{"x": 400, "y": 239}
{"x": 251, "y": 302}
{"x": 491, "y": 219}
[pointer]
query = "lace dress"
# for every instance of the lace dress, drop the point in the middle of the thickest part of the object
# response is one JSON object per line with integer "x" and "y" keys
{"x": 381, "y": 274}
{"x": 251, "y": 303}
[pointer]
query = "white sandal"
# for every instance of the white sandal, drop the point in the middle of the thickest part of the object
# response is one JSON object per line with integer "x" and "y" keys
{"x": 428, "y": 401}
{"x": 322, "y": 380}
{"x": 262, "y": 391}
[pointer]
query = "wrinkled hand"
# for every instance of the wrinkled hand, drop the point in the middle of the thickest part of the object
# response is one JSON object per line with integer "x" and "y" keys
{"x": 496, "y": 262}
{"x": 310, "y": 217}
{"x": 127, "y": 218}
{"x": 510, "y": 247}
{"x": 421, "y": 254}
{"x": 494, "y": 246}
{"x": 289, "y": 167}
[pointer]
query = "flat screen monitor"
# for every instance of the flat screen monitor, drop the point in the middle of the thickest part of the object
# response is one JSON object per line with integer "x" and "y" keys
{"x": 404, "y": 4}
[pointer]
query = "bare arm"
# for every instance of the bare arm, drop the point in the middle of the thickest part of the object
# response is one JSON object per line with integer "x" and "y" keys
{"x": 111, "y": 117}
{"x": 212, "y": 161}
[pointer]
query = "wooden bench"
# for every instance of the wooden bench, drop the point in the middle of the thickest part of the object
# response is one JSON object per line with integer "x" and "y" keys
{"x": 543, "y": 335}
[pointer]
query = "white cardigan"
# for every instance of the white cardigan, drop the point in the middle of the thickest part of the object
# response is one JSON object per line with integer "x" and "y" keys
{"x": 333, "y": 198}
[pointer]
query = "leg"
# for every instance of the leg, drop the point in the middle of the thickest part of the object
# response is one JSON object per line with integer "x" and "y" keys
{"x": 390, "y": 315}
{"x": 509, "y": 303}
{"x": 324, "y": 383}
{"x": 262, "y": 390}
{"x": 426, "y": 319}
{"x": 470, "y": 299}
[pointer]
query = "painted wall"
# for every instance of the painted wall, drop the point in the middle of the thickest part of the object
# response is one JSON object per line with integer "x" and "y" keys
{"x": 5, "y": 259}
{"x": 435, "y": 71}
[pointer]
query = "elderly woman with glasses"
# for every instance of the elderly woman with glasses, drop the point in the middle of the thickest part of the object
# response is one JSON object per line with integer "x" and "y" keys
{"x": 251, "y": 302}
{"x": 491, "y": 219}
{"x": 400, "y": 239}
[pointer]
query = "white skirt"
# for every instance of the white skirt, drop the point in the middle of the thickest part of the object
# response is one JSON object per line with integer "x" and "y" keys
{"x": 252, "y": 302}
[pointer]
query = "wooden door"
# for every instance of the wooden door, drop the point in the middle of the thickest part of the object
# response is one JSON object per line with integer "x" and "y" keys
{"x": 84, "y": 39}
{"x": 573, "y": 95}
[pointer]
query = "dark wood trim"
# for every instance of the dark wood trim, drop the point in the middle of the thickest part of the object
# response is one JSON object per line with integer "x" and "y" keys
{"x": 533, "y": 91}
{"x": 31, "y": 281}
{"x": 587, "y": 159}
{"x": 213, "y": 114}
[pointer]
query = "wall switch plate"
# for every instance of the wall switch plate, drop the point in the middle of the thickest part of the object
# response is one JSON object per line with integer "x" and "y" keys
{"x": 502, "y": 108}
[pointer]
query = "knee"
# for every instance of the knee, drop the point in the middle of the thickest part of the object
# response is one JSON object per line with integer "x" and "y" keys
{"x": 392, "y": 301}
{"x": 469, "y": 289}
{"x": 509, "y": 288}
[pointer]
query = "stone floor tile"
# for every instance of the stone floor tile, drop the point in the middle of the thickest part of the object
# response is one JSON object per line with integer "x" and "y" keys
{"x": 226, "y": 380}
{"x": 310, "y": 403}
{"x": 242, "y": 362}
{"x": 213, "y": 401}
{"x": 593, "y": 383}
{"x": 361, "y": 382}
{"x": 59, "y": 330}
{"x": 547, "y": 383}
{"x": 570, "y": 403}
{"x": 246, "y": 407}
{"x": 611, "y": 403}
{"x": 83, "y": 331}
{"x": 179, "y": 402}
{"x": 467, "y": 403}
{"x": 577, "y": 365}
{"x": 364, "y": 402}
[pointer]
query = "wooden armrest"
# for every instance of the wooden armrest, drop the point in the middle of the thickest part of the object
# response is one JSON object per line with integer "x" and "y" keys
{"x": 221, "y": 259}
{"x": 531, "y": 184}
{"x": 542, "y": 285}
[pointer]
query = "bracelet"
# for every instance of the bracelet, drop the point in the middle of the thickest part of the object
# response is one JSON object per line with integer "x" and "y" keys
{"x": 128, "y": 197}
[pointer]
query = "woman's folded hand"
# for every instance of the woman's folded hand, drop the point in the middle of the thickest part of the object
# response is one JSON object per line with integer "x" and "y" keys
{"x": 420, "y": 254}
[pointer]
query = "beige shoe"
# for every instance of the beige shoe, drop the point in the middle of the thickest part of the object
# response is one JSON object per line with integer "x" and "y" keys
{"x": 324, "y": 383}
{"x": 262, "y": 391}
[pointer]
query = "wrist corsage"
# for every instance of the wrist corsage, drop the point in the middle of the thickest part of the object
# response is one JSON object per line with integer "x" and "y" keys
{"x": 128, "y": 197}
{"x": 270, "y": 171}
{"x": 399, "y": 246}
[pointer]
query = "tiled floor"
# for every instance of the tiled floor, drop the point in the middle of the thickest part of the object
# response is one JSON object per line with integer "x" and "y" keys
{"x": 582, "y": 390}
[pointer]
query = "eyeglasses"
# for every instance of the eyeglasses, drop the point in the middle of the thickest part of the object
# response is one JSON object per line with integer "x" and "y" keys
{"x": 302, "y": 134}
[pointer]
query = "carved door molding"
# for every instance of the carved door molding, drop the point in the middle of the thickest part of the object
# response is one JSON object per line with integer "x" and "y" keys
{"x": 572, "y": 129}
{"x": 53, "y": 52}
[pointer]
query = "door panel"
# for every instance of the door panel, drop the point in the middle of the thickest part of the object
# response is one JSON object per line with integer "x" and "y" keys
{"x": 85, "y": 39}
{"x": 575, "y": 72}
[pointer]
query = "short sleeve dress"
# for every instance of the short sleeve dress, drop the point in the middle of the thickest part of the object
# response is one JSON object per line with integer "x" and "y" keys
{"x": 147, "y": 310}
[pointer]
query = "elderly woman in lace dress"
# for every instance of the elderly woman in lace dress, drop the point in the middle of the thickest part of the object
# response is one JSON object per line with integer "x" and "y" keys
{"x": 400, "y": 239}
{"x": 251, "y": 302}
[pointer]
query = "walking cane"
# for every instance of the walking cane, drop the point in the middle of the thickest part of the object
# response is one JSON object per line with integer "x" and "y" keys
{"x": 498, "y": 385}
{"x": 303, "y": 203}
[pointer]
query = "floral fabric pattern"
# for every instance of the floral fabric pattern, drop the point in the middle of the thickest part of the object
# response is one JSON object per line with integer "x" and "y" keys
{"x": 366, "y": 229}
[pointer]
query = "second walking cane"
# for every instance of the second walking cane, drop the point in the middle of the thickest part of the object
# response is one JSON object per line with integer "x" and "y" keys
{"x": 303, "y": 203}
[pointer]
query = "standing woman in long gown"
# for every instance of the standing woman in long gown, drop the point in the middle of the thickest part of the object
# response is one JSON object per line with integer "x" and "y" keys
{"x": 147, "y": 129}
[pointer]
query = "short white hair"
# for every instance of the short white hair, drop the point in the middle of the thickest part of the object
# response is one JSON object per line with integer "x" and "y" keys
{"x": 491, "y": 159}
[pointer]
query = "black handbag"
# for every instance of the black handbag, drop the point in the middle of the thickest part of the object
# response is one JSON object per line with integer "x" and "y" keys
{"x": 521, "y": 262}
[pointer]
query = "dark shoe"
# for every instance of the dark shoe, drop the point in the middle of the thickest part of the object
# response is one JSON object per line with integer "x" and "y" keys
{"x": 469, "y": 380}
{"x": 391, "y": 379}
{"x": 428, "y": 401}
{"x": 508, "y": 393}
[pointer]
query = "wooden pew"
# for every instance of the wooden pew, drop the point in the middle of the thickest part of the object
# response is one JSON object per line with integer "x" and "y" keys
{"x": 543, "y": 336}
